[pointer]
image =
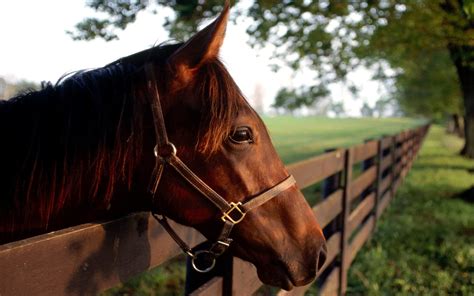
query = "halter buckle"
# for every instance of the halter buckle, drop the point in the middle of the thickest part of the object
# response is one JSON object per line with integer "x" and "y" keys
{"x": 165, "y": 151}
{"x": 207, "y": 258}
{"x": 234, "y": 210}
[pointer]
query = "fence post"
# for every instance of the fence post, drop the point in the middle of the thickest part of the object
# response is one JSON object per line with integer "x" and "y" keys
{"x": 415, "y": 144}
{"x": 412, "y": 148}
{"x": 345, "y": 217}
{"x": 418, "y": 143}
{"x": 422, "y": 135}
{"x": 419, "y": 138}
{"x": 378, "y": 182}
{"x": 408, "y": 152}
{"x": 393, "y": 149}
{"x": 366, "y": 164}
{"x": 223, "y": 269}
{"x": 409, "y": 149}
{"x": 331, "y": 184}
{"x": 407, "y": 140}
{"x": 405, "y": 153}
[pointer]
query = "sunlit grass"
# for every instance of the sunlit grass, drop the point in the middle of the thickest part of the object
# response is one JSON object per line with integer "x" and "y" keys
{"x": 424, "y": 244}
{"x": 297, "y": 138}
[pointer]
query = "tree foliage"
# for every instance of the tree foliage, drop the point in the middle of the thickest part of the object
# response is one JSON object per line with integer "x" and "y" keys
{"x": 429, "y": 87}
{"x": 292, "y": 99}
{"x": 415, "y": 44}
{"x": 10, "y": 89}
{"x": 337, "y": 108}
{"x": 332, "y": 37}
{"x": 366, "y": 110}
{"x": 116, "y": 15}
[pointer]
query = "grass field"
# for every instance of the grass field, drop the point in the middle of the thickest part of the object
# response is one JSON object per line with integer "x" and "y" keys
{"x": 423, "y": 244}
{"x": 297, "y": 138}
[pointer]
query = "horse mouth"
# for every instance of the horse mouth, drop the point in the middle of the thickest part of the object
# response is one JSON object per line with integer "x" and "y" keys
{"x": 278, "y": 274}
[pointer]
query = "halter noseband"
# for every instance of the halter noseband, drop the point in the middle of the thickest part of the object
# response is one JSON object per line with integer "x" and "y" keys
{"x": 232, "y": 213}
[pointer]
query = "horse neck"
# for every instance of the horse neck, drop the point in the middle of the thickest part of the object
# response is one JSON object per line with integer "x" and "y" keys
{"x": 68, "y": 153}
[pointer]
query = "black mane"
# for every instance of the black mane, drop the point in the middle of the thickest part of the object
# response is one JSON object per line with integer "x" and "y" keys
{"x": 75, "y": 145}
{"x": 85, "y": 129}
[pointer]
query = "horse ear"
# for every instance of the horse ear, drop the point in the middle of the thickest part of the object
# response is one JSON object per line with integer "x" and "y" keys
{"x": 203, "y": 46}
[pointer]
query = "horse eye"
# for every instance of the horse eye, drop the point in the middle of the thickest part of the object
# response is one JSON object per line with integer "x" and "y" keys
{"x": 242, "y": 135}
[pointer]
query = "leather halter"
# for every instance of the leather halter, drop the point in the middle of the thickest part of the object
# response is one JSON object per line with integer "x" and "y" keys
{"x": 232, "y": 213}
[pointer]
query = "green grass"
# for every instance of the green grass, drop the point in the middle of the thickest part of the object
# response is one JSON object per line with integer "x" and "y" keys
{"x": 424, "y": 244}
{"x": 167, "y": 279}
{"x": 298, "y": 138}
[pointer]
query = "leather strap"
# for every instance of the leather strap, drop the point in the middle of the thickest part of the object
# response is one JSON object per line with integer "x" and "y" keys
{"x": 159, "y": 120}
{"x": 182, "y": 244}
{"x": 217, "y": 199}
{"x": 160, "y": 129}
{"x": 269, "y": 194}
{"x": 198, "y": 184}
{"x": 224, "y": 240}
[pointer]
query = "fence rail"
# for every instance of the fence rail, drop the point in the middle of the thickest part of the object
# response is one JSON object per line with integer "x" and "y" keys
{"x": 89, "y": 258}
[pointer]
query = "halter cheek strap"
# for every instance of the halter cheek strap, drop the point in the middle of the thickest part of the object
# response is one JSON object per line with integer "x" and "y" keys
{"x": 232, "y": 213}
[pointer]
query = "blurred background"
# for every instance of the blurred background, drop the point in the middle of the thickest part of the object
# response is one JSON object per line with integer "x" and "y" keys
{"x": 288, "y": 65}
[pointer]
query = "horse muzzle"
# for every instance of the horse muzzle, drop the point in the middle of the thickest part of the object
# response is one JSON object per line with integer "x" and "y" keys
{"x": 295, "y": 272}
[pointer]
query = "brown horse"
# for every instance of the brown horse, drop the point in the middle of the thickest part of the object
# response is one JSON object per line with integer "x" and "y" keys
{"x": 83, "y": 150}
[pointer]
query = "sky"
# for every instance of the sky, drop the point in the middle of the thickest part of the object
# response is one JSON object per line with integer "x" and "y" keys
{"x": 34, "y": 46}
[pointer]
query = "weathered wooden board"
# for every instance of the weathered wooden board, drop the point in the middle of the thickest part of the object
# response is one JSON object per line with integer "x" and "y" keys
{"x": 331, "y": 285}
{"x": 386, "y": 162}
{"x": 385, "y": 184}
{"x": 383, "y": 203}
{"x": 88, "y": 258}
{"x": 362, "y": 182}
{"x": 386, "y": 142}
{"x": 313, "y": 170}
{"x": 364, "y": 151}
{"x": 329, "y": 208}
{"x": 359, "y": 240}
{"x": 362, "y": 210}
{"x": 245, "y": 279}
{"x": 333, "y": 245}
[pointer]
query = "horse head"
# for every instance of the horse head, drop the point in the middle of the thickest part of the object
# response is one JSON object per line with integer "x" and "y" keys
{"x": 222, "y": 140}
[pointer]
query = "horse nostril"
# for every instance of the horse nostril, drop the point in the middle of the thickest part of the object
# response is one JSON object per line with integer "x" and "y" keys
{"x": 322, "y": 256}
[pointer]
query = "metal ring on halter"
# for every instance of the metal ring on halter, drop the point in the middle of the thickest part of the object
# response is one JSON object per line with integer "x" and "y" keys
{"x": 207, "y": 269}
{"x": 171, "y": 150}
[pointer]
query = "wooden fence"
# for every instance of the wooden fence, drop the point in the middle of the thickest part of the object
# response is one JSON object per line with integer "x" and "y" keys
{"x": 90, "y": 258}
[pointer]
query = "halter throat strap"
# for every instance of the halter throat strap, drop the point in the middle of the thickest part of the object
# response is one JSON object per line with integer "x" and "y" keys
{"x": 232, "y": 213}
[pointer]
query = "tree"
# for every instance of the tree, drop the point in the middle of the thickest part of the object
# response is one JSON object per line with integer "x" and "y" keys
{"x": 257, "y": 98}
{"x": 331, "y": 37}
{"x": 10, "y": 89}
{"x": 337, "y": 108}
{"x": 118, "y": 14}
{"x": 366, "y": 110}
{"x": 431, "y": 45}
{"x": 292, "y": 99}
{"x": 429, "y": 88}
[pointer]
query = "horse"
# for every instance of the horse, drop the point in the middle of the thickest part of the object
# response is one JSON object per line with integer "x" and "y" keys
{"x": 164, "y": 130}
